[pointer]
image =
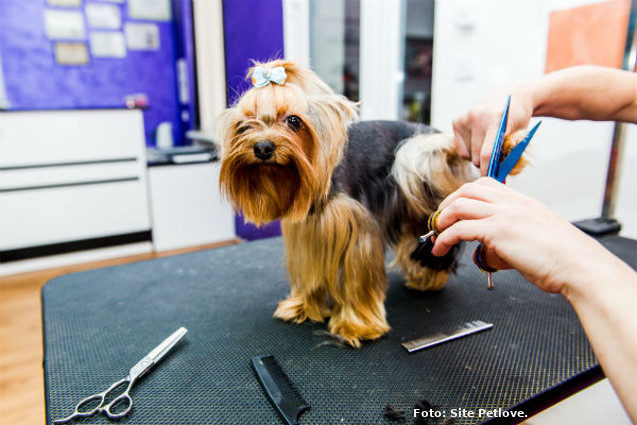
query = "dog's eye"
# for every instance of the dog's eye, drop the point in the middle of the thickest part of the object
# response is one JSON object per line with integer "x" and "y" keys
{"x": 294, "y": 122}
{"x": 242, "y": 127}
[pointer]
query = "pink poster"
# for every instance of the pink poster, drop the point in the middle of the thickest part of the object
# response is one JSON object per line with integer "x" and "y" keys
{"x": 592, "y": 35}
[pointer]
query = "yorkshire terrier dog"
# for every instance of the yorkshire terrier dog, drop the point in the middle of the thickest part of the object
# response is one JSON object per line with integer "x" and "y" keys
{"x": 292, "y": 149}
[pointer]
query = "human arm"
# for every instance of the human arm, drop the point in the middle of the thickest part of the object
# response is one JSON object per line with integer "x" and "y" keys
{"x": 520, "y": 232}
{"x": 581, "y": 92}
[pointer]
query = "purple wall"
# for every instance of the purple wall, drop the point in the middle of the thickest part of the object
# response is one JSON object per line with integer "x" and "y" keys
{"x": 34, "y": 81}
{"x": 253, "y": 30}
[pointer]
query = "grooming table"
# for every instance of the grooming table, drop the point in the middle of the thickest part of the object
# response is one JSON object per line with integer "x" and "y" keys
{"x": 97, "y": 324}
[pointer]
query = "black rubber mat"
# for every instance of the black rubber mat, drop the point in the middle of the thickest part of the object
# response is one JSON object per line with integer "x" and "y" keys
{"x": 98, "y": 324}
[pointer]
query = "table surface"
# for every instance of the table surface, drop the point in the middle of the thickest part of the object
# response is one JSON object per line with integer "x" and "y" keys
{"x": 97, "y": 324}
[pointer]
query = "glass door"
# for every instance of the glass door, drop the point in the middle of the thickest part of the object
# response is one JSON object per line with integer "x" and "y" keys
{"x": 419, "y": 30}
{"x": 375, "y": 51}
{"x": 335, "y": 44}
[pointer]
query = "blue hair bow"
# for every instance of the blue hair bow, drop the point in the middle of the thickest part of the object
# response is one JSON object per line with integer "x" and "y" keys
{"x": 261, "y": 77}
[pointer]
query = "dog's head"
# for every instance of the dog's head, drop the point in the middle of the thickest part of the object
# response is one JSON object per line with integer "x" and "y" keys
{"x": 281, "y": 141}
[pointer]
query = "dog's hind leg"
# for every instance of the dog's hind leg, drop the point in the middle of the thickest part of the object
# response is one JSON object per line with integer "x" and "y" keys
{"x": 338, "y": 254}
{"x": 426, "y": 170}
{"x": 422, "y": 271}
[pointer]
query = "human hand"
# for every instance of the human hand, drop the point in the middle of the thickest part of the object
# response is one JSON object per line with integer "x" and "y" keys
{"x": 475, "y": 130}
{"x": 518, "y": 231}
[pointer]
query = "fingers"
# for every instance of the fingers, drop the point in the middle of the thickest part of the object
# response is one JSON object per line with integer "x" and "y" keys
{"x": 474, "y": 141}
{"x": 469, "y": 230}
{"x": 466, "y": 216}
{"x": 461, "y": 136}
{"x": 477, "y": 138}
{"x": 463, "y": 209}
{"x": 484, "y": 189}
{"x": 476, "y": 129}
{"x": 486, "y": 149}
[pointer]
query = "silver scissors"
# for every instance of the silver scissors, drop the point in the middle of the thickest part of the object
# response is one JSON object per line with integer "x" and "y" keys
{"x": 123, "y": 401}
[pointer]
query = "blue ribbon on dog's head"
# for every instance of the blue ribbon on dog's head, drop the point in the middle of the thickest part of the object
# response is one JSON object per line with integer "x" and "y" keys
{"x": 261, "y": 77}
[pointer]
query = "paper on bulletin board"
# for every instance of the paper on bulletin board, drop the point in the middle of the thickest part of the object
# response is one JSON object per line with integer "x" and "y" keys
{"x": 71, "y": 53}
{"x": 64, "y": 24}
{"x": 152, "y": 10}
{"x": 108, "y": 44}
{"x": 64, "y": 3}
{"x": 142, "y": 36}
{"x": 105, "y": 16}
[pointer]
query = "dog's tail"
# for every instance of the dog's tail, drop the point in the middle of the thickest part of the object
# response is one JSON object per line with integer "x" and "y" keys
{"x": 427, "y": 168}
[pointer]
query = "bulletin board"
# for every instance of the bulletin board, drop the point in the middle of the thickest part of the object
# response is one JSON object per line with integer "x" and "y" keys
{"x": 84, "y": 54}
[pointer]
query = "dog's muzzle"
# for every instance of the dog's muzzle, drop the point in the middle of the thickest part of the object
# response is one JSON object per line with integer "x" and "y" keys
{"x": 264, "y": 150}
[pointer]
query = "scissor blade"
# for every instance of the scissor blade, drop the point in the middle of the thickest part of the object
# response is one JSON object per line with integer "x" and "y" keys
{"x": 513, "y": 157}
{"x": 494, "y": 163}
{"x": 163, "y": 348}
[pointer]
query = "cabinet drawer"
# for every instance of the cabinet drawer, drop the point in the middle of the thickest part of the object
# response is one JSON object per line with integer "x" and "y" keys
{"x": 36, "y": 138}
{"x": 52, "y": 215}
{"x": 49, "y": 177}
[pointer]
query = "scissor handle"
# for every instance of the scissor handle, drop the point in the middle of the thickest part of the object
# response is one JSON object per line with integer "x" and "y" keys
{"x": 100, "y": 398}
{"x": 80, "y": 413}
{"x": 480, "y": 260}
{"x": 119, "y": 400}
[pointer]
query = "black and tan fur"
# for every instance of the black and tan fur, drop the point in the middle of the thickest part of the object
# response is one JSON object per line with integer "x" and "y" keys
{"x": 344, "y": 190}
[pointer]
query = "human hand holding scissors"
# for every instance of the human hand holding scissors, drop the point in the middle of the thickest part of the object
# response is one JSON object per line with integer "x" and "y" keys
{"x": 499, "y": 169}
{"x": 124, "y": 399}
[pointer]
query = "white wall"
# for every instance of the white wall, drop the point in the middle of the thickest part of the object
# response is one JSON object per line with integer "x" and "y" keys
{"x": 327, "y": 41}
{"x": 296, "y": 31}
{"x": 483, "y": 45}
{"x": 211, "y": 75}
{"x": 382, "y": 57}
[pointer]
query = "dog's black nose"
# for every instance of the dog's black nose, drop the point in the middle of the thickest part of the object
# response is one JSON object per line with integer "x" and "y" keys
{"x": 264, "y": 150}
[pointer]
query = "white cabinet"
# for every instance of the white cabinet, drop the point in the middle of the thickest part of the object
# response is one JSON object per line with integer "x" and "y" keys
{"x": 187, "y": 209}
{"x": 71, "y": 181}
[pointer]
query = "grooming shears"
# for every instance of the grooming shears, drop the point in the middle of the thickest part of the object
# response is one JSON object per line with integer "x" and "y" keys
{"x": 499, "y": 169}
{"x": 122, "y": 404}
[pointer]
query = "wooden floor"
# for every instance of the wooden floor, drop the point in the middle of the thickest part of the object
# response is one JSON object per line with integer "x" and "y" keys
{"x": 21, "y": 377}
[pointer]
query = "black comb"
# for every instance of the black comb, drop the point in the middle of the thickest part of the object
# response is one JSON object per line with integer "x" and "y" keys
{"x": 280, "y": 389}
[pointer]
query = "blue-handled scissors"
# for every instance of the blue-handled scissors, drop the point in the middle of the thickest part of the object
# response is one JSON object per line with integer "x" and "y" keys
{"x": 122, "y": 404}
{"x": 499, "y": 169}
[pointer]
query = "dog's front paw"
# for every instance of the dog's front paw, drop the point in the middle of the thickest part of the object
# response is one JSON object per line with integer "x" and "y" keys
{"x": 354, "y": 331}
{"x": 296, "y": 309}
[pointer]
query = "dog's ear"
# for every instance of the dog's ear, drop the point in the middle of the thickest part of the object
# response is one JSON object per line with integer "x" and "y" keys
{"x": 331, "y": 113}
{"x": 330, "y": 116}
{"x": 225, "y": 129}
